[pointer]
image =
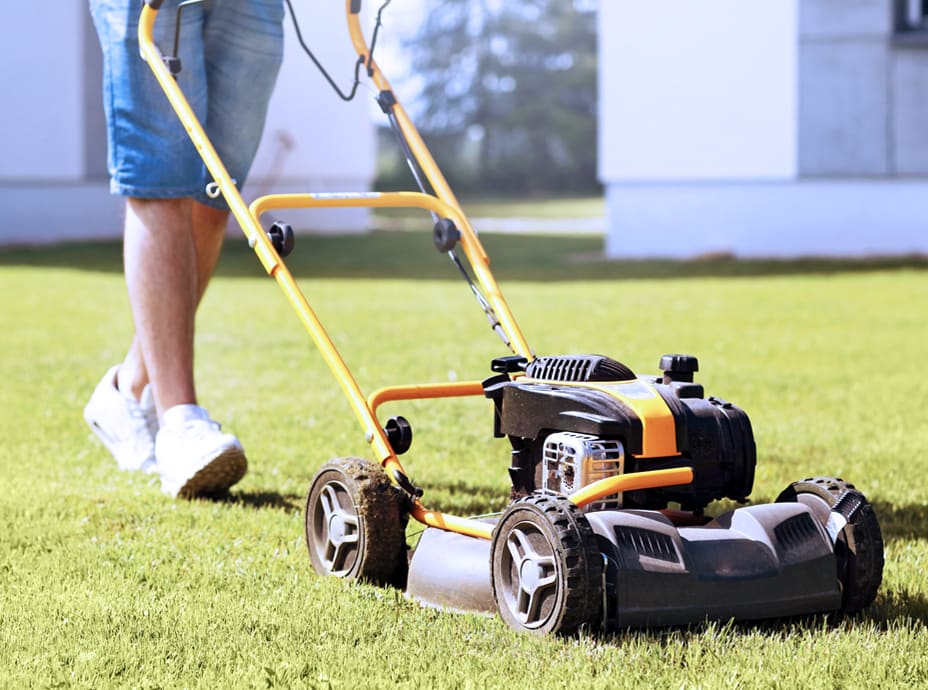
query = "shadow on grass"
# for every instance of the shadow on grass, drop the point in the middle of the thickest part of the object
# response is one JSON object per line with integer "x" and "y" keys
{"x": 904, "y": 522}
{"x": 884, "y": 615}
{"x": 411, "y": 256}
{"x": 289, "y": 503}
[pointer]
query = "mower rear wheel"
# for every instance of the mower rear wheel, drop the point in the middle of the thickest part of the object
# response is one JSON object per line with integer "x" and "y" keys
{"x": 858, "y": 544}
{"x": 545, "y": 567}
{"x": 355, "y": 523}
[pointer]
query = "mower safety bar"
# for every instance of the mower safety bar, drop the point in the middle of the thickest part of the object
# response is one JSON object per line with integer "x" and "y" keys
{"x": 588, "y": 494}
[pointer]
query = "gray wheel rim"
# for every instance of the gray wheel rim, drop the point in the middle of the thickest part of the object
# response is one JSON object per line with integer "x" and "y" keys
{"x": 336, "y": 529}
{"x": 529, "y": 575}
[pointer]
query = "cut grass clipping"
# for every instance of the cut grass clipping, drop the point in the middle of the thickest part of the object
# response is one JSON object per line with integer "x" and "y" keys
{"x": 106, "y": 582}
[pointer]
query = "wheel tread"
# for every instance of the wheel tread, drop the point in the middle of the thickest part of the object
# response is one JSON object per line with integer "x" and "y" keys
{"x": 382, "y": 560}
{"x": 860, "y": 545}
{"x": 580, "y": 556}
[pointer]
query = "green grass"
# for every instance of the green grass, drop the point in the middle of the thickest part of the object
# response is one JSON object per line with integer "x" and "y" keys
{"x": 535, "y": 209}
{"x": 108, "y": 583}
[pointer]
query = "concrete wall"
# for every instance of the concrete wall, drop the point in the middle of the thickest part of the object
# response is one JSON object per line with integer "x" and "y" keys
{"x": 53, "y": 182}
{"x": 844, "y": 88}
{"x": 838, "y": 166}
{"x": 815, "y": 217}
{"x": 863, "y": 92}
{"x": 907, "y": 121}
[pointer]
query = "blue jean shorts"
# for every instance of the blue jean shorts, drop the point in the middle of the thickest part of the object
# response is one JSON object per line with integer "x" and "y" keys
{"x": 230, "y": 52}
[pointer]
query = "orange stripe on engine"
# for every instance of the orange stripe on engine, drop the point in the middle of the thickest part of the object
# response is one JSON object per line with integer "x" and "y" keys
{"x": 658, "y": 429}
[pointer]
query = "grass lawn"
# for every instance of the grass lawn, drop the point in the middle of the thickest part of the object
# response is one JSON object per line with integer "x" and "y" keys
{"x": 106, "y": 582}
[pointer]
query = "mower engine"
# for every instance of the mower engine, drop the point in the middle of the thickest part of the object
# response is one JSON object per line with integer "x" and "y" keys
{"x": 575, "y": 419}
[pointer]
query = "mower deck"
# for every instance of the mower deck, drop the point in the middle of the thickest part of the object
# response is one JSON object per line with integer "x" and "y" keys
{"x": 749, "y": 563}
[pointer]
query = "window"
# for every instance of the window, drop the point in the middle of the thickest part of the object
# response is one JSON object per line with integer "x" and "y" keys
{"x": 911, "y": 15}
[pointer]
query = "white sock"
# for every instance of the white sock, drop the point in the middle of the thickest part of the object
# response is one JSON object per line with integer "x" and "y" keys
{"x": 124, "y": 387}
{"x": 180, "y": 415}
{"x": 145, "y": 399}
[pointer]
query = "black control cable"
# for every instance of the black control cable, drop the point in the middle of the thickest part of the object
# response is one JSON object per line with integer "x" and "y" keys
{"x": 350, "y": 94}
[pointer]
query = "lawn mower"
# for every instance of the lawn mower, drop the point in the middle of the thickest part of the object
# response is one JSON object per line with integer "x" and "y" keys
{"x": 611, "y": 471}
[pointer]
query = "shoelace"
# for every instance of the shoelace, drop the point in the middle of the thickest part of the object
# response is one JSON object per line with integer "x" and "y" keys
{"x": 151, "y": 419}
{"x": 147, "y": 416}
{"x": 199, "y": 427}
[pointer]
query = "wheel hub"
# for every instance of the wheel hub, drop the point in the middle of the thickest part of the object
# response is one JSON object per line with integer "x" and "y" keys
{"x": 530, "y": 574}
{"x": 337, "y": 528}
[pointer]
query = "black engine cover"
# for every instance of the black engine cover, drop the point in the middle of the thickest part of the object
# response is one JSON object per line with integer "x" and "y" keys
{"x": 713, "y": 436}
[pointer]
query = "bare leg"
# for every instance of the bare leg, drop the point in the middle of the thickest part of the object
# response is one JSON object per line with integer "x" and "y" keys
{"x": 207, "y": 226}
{"x": 160, "y": 266}
{"x": 209, "y": 230}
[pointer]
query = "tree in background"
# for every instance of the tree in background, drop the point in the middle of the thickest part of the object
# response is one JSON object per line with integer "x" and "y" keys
{"x": 508, "y": 94}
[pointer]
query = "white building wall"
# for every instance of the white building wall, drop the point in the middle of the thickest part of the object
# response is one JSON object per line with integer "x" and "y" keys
{"x": 697, "y": 90}
{"x": 42, "y": 138}
{"x": 53, "y": 183}
{"x": 762, "y": 128}
{"x": 844, "y": 81}
{"x": 313, "y": 140}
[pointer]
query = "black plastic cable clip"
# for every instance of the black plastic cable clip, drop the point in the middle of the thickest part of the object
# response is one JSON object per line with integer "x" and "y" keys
{"x": 445, "y": 235}
{"x": 386, "y": 100}
{"x": 509, "y": 364}
{"x": 403, "y": 482}
{"x": 172, "y": 62}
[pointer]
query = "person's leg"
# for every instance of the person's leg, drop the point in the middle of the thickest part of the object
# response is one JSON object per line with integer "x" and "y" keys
{"x": 165, "y": 259}
{"x": 235, "y": 119}
{"x": 208, "y": 226}
{"x": 149, "y": 156}
{"x": 209, "y": 230}
{"x": 160, "y": 266}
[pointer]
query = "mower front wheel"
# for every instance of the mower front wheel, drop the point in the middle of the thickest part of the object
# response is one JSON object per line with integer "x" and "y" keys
{"x": 858, "y": 544}
{"x": 546, "y": 569}
{"x": 355, "y": 523}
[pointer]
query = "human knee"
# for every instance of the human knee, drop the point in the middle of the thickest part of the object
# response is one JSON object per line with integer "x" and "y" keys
{"x": 209, "y": 219}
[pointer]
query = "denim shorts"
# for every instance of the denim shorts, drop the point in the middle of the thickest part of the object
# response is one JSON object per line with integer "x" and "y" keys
{"x": 230, "y": 52}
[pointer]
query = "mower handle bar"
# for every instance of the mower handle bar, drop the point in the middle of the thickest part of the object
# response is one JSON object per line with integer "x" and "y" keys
{"x": 442, "y": 202}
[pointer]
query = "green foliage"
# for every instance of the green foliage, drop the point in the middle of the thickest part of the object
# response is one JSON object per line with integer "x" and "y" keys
{"x": 509, "y": 94}
{"x": 107, "y": 583}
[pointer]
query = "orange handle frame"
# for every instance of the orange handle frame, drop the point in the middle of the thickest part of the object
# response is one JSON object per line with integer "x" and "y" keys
{"x": 443, "y": 204}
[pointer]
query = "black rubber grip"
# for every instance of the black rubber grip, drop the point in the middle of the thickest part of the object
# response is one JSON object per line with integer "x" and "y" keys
{"x": 154, "y": 4}
{"x": 355, "y": 6}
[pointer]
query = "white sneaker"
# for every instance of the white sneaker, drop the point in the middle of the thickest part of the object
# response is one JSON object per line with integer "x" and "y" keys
{"x": 125, "y": 426}
{"x": 194, "y": 456}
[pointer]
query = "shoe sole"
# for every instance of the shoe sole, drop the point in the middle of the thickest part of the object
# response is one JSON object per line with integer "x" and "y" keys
{"x": 218, "y": 474}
